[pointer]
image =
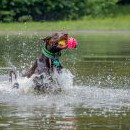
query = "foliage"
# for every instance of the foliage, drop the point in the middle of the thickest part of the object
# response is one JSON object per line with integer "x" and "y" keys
{"x": 25, "y": 18}
{"x": 102, "y": 7}
{"x": 41, "y": 10}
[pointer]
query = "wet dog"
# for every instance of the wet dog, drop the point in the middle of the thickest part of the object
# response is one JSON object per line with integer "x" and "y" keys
{"x": 49, "y": 59}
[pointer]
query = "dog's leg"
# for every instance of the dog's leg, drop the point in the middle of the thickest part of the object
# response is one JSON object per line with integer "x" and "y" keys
{"x": 31, "y": 71}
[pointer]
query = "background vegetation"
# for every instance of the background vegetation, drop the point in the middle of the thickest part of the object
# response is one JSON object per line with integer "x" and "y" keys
{"x": 52, "y": 10}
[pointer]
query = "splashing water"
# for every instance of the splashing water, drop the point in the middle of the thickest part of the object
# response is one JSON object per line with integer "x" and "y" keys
{"x": 101, "y": 98}
{"x": 87, "y": 96}
{"x": 65, "y": 80}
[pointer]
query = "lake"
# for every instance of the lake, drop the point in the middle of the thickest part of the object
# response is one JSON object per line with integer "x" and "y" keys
{"x": 95, "y": 80}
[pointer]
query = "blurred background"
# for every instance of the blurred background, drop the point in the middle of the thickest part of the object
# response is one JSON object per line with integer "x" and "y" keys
{"x": 52, "y": 10}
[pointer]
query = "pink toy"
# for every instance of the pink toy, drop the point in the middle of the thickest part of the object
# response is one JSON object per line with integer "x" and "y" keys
{"x": 72, "y": 43}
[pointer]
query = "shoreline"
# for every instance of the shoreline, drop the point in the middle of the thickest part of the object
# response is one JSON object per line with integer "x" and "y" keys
{"x": 35, "y": 32}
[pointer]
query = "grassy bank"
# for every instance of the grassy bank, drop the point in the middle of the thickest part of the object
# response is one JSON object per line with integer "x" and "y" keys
{"x": 118, "y": 23}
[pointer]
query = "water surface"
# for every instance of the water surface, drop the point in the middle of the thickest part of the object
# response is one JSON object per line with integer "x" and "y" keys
{"x": 95, "y": 81}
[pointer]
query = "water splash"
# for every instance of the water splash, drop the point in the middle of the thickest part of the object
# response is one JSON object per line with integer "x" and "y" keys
{"x": 64, "y": 79}
{"x": 73, "y": 95}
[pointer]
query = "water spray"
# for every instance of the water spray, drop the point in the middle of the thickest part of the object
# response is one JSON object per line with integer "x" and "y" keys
{"x": 13, "y": 75}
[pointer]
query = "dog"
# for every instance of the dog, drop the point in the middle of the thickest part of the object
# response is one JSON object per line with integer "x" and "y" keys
{"x": 49, "y": 59}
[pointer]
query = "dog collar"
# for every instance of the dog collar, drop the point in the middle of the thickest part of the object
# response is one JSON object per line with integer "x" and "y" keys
{"x": 47, "y": 53}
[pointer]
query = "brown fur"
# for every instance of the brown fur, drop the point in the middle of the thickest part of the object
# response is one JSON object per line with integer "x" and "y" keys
{"x": 49, "y": 41}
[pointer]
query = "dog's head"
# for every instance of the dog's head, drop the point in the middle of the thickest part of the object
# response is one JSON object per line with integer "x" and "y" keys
{"x": 54, "y": 38}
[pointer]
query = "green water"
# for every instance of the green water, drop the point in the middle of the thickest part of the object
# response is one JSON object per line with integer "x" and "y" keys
{"x": 99, "y": 98}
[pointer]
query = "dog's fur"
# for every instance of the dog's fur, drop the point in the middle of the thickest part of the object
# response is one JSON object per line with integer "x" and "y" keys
{"x": 51, "y": 44}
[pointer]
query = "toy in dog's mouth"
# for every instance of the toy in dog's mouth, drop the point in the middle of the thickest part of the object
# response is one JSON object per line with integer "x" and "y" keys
{"x": 72, "y": 43}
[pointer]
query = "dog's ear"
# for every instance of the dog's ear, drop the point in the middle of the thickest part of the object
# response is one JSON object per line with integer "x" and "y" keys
{"x": 64, "y": 37}
{"x": 54, "y": 38}
{"x": 46, "y": 39}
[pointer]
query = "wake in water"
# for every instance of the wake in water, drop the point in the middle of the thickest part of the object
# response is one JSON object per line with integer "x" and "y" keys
{"x": 93, "y": 97}
{"x": 62, "y": 80}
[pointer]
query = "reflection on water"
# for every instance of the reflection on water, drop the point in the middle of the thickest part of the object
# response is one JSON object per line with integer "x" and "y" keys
{"x": 81, "y": 107}
{"x": 97, "y": 98}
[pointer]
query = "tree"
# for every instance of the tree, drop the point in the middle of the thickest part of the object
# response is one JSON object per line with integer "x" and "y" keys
{"x": 42, "y": 10}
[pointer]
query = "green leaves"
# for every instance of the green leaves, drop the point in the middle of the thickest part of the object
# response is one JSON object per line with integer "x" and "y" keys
{"x": 38, "y": 10}
{"x": 101, "y": 7}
